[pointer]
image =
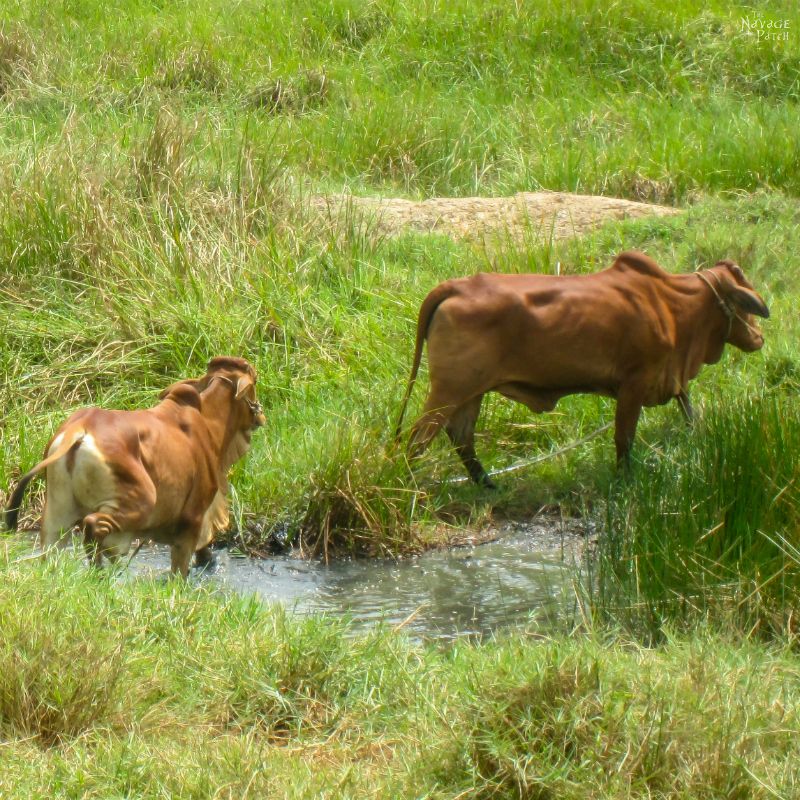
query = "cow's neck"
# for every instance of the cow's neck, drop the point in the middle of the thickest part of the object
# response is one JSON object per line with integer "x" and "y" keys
{"x": 701, "y": 327}
{"x": 229, "y": 441}
{"x": 217, "y": 406}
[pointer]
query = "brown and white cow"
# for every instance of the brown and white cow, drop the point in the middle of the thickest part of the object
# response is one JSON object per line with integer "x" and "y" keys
{"x": 633, "y": 332}
{"x": 158, "y": 473}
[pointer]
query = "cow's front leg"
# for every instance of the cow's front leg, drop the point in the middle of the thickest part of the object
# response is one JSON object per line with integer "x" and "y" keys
{"x": 629, "y": 407}
{"x": 685, "y": 405}
{"x": 183, "y": 545}
{"x": 204, "y": 558}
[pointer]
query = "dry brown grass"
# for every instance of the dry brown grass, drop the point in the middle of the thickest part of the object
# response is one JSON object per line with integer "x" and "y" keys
{"x": 17, "y": 57}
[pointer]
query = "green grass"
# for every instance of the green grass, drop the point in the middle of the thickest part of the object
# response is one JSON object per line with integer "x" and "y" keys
{"x": 145, "y": 689}
{"x": 422, "y": 97}
{"x": 707, "y": 529}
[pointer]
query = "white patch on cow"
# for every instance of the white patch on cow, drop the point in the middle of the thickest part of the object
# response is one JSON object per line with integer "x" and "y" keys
{"x": 61, "y": 509}
{"x": 93, "y": 484}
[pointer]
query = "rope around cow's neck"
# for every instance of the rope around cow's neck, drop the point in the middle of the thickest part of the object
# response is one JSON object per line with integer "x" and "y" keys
{"x": 531, "y": 461}
{"x": 727, "y": 309}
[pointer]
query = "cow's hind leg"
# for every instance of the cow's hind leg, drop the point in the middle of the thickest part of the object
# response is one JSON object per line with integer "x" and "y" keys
{"x": 96, "y": 528}
{"x": 460, "y": 428}
{"x": 110, "y": 529}
{"x": 104, "y": 535}
{"x": 437, "y": 411}
{"x": 126, "y": 511}
{"x": 59, "y": 517}
{"x": 61, "y": 511}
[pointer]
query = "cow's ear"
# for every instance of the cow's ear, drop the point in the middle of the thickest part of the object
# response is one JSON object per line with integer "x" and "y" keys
{"x": 244, "y": 383}
{"x": 736, "y": 271}
{"x": 165, "y": 392}
{"x": 748, "y": 301}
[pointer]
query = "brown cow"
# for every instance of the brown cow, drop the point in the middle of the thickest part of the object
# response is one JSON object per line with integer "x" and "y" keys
{"x": 633, "y": 332}
{"x": 156, "y": 474}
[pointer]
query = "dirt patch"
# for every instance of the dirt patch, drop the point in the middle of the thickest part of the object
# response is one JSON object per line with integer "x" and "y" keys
{"x": 547, "y": 215}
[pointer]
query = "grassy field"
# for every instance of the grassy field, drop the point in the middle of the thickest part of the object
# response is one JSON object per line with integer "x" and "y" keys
{"x": 162, "y": 690}
{"x": 156, "y": 160}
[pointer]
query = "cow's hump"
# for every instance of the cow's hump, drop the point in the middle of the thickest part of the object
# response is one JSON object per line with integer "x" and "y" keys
{"x": 184, "y": 395}
{"x": 634, "y": 261}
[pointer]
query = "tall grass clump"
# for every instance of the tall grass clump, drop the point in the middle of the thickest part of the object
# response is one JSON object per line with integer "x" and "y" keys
{"x": 17, "y": 58}
{"x": 62, "y": 677}
{"x": 358, "y": 499}
{"x": 707, "y": 529}
{"x": 568, "y": 719}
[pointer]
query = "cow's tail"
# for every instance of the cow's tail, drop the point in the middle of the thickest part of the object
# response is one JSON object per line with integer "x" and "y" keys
{"x": 14, "y": 503}
{"x": 426, "y": 312}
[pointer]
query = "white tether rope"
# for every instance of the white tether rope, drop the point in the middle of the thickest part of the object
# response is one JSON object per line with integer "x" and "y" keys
{"x": 531, "y": 461}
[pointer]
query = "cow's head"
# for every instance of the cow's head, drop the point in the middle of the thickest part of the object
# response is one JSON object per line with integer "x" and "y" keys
{"x": 740, "y": 303}
{"x": 236, "y": 373}
{"x": 246, "y": 413}
{"x": 242, "y": 378}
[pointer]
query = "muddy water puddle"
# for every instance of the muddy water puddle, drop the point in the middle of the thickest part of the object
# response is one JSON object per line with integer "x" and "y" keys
{"x": 526, "y": 574}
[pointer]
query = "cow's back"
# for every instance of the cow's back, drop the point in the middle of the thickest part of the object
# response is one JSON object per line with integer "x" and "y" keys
{"x": 576, "y": 331}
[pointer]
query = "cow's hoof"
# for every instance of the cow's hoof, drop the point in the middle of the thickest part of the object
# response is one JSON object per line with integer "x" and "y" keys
{"x": 204, "y": 558}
